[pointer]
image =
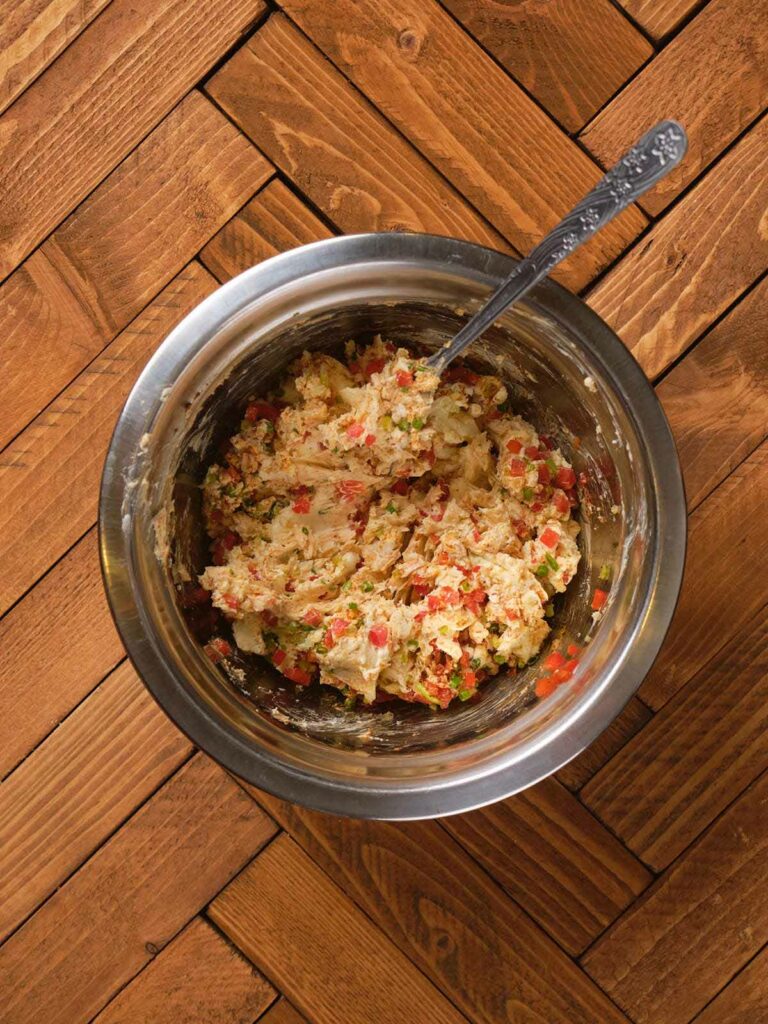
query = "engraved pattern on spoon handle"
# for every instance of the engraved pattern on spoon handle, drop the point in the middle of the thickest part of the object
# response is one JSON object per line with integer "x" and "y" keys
{"x": 646, "y": 163}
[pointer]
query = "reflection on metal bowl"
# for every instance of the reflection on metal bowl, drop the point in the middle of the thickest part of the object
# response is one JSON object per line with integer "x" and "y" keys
{"x": 567, "y": 373}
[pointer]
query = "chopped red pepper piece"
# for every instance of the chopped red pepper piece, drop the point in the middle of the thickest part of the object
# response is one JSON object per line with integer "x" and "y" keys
{"x": 375, "y": 366}
{"x": 231, "y": 601}
{"x": 573, "y": 649}
{"x": 269, "y": 617}
{"x": 355, "y": 430}
{"x": 598, "y": 599}
{"x": 550, "y": 538}
{"x": 298, "y": 675}
{"x": 313, "y": 617}
{"x": 370, "y": 440}
{"x": 404, "y": 378}
{"x": 561, "y": 503}
{"x": 514, "y": 446}
{"x": 516, "y": 467}
{"x": 378, "y": 635}
{"x": 533, "y": 454}
{"x": 338, "y": 626}
{"x": 278, "y": 657}
{"x": 545, "y": 686}
{"x": 543, "y": 471}
{"x": 261, "y": 411}
{"x": 349, "y": 490}
{"x": 401, "y": 486}
{"x": 302, "y": 505}
{"x": 565, "y": 478}
{"x": 554, "y": 660}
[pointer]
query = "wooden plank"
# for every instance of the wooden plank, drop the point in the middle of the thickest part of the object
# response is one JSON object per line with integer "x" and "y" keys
{"x": 716, "y": 399}
{"x": 34, "y": 34}
{"x": 695, "y": 262}
{"x": 282, "y": 1013}
{"x": 467, "y": 117}
{"x": 282, "y": 911}
{"x": 447, "y": 916}
{"x": 732, "y": 575}
{"x": 97, "y": 931}
{"x": 694, "y": 758}
{"x": 275, "y": 220}
{"x": 708, "y": 915}
{"x": 100, "y": 98}
{"x": 659, "y": 17}
{"x": 53, "y": 651}
{"x": 50, "y": 473}
{"x": 744, "y": 1000}
{"x": 333, "y": 144}
{"x": 550, "y": 49}
{"x": 714, "y": 107}
{"x": 198, "y": 978}
{"x": 631, "y": 720}
{"x": 100, "y": 268}
{"x": 78, "y": 786}
{"x": 555, "y": 859}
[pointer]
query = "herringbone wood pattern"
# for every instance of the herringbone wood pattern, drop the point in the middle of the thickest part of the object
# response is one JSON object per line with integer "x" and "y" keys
{"x": 153, "y": 149}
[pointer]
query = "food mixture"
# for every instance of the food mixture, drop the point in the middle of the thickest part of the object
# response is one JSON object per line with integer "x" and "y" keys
{"x": 388, "y": 532}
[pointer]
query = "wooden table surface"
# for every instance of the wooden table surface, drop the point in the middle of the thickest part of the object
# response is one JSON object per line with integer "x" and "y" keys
{"x": 151, "y": 149}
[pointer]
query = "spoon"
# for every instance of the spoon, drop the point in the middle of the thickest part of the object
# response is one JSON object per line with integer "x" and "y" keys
{"x": 648, "y": 161}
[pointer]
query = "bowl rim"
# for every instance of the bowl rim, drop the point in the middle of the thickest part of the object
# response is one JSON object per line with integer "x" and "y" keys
{"x": 429, "y": 798}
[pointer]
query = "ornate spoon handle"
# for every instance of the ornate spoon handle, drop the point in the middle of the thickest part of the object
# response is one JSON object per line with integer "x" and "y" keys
{"x": 653, "y": 156}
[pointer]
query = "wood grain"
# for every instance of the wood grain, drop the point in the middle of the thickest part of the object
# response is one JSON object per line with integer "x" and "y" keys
{"x": 669, "y": 783}
{"x": 115, "y": 253}
{"x": 722, "y": 572}
{"x": 305, "y": 934}
{"x": 468, "y": 118}
{"x": 710, "y": 909}
{"x": 550, "y": 49}
{"x": 274, "y": 221}
{"x": 716, "y": 399}
{"x": 631, "y": 720}
{"x": 34, "y": 33}
{"x": 78, "y": 786}
{"x": 695, "y": 262}
{"x": 555, "y": 860}
{"x": 659, "y": 17}
{"x": 197, "y": 979}
{"x": 50, "y": 473}
{"x": 109, "y": 919}
{"x": 282, "y": 1013}
{"x": 686, "y": 82}
{"x": 53, "y": 651}
{"x": 420, "y": 887}
{"x": 99, "y": 99}
{"x": 332, "y": 143}
{"x": 744, "y": 1000}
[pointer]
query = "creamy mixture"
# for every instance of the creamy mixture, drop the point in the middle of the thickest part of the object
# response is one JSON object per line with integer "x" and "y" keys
{"x": 389, "y": 532}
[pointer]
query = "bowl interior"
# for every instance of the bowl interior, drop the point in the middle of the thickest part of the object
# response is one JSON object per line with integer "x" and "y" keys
{"x": 563, "y": 390}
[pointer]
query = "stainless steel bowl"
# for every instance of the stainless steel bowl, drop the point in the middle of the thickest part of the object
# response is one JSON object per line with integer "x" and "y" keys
{"x": 568, "y": 373}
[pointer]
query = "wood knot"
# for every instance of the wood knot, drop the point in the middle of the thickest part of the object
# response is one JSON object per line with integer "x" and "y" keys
{"x": 410, "y": 42}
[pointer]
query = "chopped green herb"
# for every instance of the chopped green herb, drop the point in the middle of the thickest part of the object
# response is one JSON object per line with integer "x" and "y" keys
{"x": 500, "y": 659}
{"x": 465, "y": 585}
{"x": 455, "y": 680}
{"x": 476, "y": 663}
{"x": 444, "y": 631}
{"x": 424, "y": 692}
{"x": 391, "y": 507}
{"x": 527, "y": 493}
{"x": 549, "y": 610}
{"x": 305, "y": 531}
{"x": 418, "y": 423}
{"x": 385, "y": 422}
{"x": 403, "y": 425}
{"x": 321, "y": 649}
{"x": 551, "y": 467}
{"x": 347, "y": 585}
{"x": 542, "y": 571}
{"x": 605, "y": 573}
{"x": 465, "y": 694}
{"x": 353, "y": 607}
{"x": 367, "y": 587}
{"x": 413, "y": 645}
{"x": 349, "y": 702}
{"x": 552, "y": 563}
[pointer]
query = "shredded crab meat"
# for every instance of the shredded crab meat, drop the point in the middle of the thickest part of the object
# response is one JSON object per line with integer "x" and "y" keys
{"x": 388, "y": 532}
